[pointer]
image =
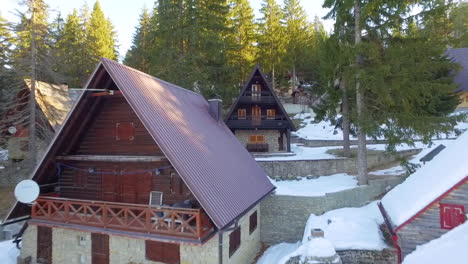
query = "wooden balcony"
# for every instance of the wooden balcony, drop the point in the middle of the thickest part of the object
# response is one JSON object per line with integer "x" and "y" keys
{"x": 252, "y": 123}
{"x": 136, "y": 218}
{"x": 257, "y": 147}
{"x": 263, "y": 99}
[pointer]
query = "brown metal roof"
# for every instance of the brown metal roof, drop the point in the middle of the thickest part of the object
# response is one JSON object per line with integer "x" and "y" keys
{"x": 218, "y": 170}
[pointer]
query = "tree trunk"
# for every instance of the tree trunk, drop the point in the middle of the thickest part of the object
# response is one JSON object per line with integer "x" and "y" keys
{"x": 345, "y": 116}
{"x": 361, "y": 154}
{"x": 273, "y": 83}
{"x": 32, "y": 98}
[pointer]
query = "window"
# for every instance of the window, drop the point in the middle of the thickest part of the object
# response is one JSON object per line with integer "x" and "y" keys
{"x": 256, "y": 91}
{"x": 451, "y": 215}
{"x": 162, "y": 252}
{"x": 271, "y": 113}
{"x": 125, "y": 131}
{"x": 241, "y": 113}
{"x": 253, "y": 222}
{"x": 257, "y": 139}
{"x": 234, "y": 241}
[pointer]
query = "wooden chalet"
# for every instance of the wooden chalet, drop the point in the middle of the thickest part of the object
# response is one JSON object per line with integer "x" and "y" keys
{"x": 53, "y": 104}
{"x": 143, "y": 172}
{"x": 430, "y": 202}
{"x": 258, "y": 119}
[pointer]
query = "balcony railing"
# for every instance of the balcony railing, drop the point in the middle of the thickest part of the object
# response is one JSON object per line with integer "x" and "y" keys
{"x": 264, "y": 123}
{"x": 257, "y": 147}
{"x": 257, "y": 99}
{"x": 170, "y": 221}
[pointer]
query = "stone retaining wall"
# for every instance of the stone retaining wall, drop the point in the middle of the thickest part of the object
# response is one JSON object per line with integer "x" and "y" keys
{"x": 386, "y": 256}
{"x": 284, "y": 217}
{"x": 291, "y": 169}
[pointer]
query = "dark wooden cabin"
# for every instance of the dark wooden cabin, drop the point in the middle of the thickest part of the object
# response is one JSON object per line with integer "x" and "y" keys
{"x": 431, "y": 202}
{"x": 258, "y": 119}
{"x": 142, "y": 138}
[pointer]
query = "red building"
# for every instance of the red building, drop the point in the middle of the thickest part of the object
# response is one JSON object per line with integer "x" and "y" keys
{"x": 145, "y": 172}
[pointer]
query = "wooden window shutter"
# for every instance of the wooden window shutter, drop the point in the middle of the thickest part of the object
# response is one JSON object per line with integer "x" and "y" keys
{"x": 271, "y": 113}
{"x": 44, "y": 245}
{"x": 252, "y": 138}
{"x": 241, "y": 113}
{"x": 234, "y": 241}
{"x": 163, "y": 252}
{"x": 260, "y": 139}
{"x": 124, "y": 131}
{"x": 451, "y": 215}
{"x": 253, "y": 220}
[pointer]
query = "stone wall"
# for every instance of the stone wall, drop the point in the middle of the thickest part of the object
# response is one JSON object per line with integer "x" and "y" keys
{"x": 291, "y": 169}
{"x": 74, "y": 247}
{"x": 29, "y": 243}
{"x": 387, "y": 256}
{"x": 284, "y": 217}
{"x": 70, "y": 246}
{"x": 325, "y": 143}
{"x": 271, "y": 138}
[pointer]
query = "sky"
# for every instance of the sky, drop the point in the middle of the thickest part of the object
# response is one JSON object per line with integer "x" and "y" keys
{"x": 124, "y": 14}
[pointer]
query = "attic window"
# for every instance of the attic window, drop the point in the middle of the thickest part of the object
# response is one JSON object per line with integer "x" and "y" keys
{"x": 124, "y": 131}
{"x": 451, "y": 215}
{"x": 256, "y": 91}
{"x": 271, "y": 113}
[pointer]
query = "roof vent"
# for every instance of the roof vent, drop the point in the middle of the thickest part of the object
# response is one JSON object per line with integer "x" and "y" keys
{"x": 215, "y": 108}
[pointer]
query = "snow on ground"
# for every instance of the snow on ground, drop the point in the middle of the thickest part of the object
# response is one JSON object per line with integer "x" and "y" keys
{"x": 450, "y": 164}
{"x": 316, "y": 247}
{"x": 304, "y": 153}
{"x": 275, "y": 253}
{"x": 324, "y": 130}
{"x": 346, "y": 228}
{"x": 3, "y": 154}
{"x": 315, "y": 187}
{"x": 8, "y": 252}
{"x": 425, "y": 149}
{"x": 350, "y": 228}
{"x": 449, "y": 248}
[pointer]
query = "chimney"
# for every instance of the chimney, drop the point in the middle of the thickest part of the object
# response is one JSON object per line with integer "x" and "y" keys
{"x": 215, "y": 108}
{"x": 316, "y": 233}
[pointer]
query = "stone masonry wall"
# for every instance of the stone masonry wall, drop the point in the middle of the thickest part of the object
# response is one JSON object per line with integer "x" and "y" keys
{"x": 284, "y": 217}
{"x": 70, "y": 246}
{"x": 29, "y": 243}
{"x": 125, "y": 250}
{"x": 271, "y": 138}
{"x": 386, "y": 256}
{"x": 294, "y": 168}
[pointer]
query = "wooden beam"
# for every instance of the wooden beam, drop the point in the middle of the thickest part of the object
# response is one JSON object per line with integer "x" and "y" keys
{"x": 112, "y": 158}
{"x": 109, "y": 93}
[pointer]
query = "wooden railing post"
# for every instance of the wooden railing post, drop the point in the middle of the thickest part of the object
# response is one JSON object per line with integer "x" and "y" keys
{"x": 148, "y": 219}
{"x": 104, "y": 215}
{"x": 198, "y": 223}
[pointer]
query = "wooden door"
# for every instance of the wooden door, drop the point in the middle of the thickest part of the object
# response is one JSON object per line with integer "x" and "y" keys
{"x": 144, "y": 187}
{"x": 256, "y": 115}
{"x": 280, "y": 142}
{"x": 128, "y": 188}
{"x": 99, "y": 248}
{"x": 44, "y": 245}
{"x": 109, "y": 187}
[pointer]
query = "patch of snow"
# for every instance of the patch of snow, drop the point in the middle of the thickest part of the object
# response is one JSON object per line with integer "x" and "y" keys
{"x": 316, "y": 187}
{"x": 409, "y": 197}
{"x": 304, "y": 153}
{"x": 3, "y": 154}
{"x": 350, "y": 228}
{"x": 8, "y": 252}
{"x": 449, "y": 248}
{"x": 316, "y": 247}
{"x": 275, "y": 253}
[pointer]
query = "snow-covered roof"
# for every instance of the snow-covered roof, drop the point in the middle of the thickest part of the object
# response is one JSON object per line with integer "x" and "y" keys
{"x": 428, "y": 183}
{"x": 449, "y": 248}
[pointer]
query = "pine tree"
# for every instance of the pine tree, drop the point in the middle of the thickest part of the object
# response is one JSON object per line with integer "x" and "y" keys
{"x": 296, "y": 35}
{"x": 138, "y": 55}
{"x": 459, "y": 18}
{"x": 70, "y": 48}
{"x": 242, "y": 56}
{"x": 100, "y": 37}
{"x": 271, "y": 42}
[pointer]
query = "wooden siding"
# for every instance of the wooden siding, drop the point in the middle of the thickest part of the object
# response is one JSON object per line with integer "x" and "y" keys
{"x": 426, "y": 227}
{"x": 107, "y": 184}
{"x": 100, "y": 137}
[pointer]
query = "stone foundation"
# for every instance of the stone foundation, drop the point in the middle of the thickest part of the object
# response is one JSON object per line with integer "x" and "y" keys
{"x": 74, "y": 247}
{"x": 271, "y": 138}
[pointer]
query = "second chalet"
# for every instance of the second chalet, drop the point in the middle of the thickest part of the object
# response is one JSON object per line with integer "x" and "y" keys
{"x": 258, "y": 119}
{"x": 143, "y": 172}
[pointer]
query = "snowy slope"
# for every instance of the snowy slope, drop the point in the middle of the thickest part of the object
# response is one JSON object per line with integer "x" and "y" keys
{"x": 428, "y": 183}
{"x": 8, "y": 252}
{"x": 449, "y": 248}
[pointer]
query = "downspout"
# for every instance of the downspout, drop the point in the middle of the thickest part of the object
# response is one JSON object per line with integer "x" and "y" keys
{"x": 220, "y": 240}
{"x": 392, "y": 231}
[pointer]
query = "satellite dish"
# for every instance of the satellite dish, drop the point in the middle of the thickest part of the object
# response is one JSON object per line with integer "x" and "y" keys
{"x": 12, "y": 130}
{"x": 27, "y": 191}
